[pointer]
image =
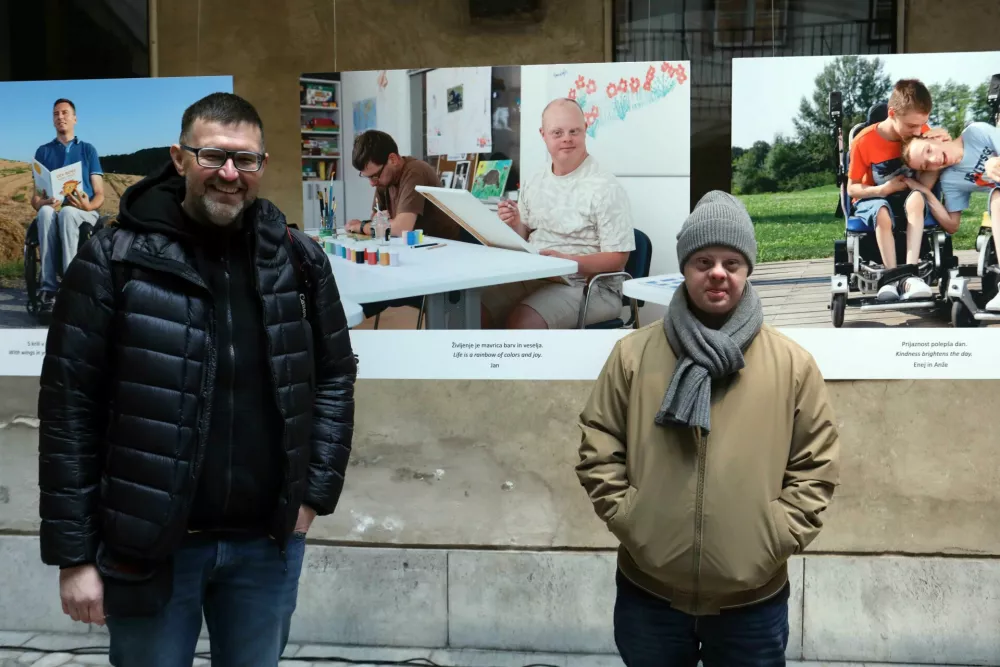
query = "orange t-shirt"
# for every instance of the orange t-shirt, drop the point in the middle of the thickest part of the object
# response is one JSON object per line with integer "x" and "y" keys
{"x": 876, "y": 160}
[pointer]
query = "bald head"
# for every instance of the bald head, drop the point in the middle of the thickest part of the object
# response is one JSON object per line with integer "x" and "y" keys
{"x": 562, "y": 106}
{"x": 564, "y": 130}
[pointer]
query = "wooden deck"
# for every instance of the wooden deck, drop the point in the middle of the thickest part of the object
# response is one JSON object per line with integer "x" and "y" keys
{"x": 797, "y": 294}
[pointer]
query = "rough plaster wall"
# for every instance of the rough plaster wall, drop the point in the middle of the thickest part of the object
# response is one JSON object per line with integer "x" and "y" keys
{"x": 936, "y": 26}
{"x": 267, "y": 44}
{"x": 491, "y": 464}
{"x": 433, "y": 460}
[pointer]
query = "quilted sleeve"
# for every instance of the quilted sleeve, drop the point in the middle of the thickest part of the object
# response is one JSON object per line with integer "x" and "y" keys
{"x": 72, "y": 408}
{"x": 336, "y": 372}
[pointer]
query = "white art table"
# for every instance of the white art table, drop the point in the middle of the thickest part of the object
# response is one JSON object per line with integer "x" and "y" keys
{"x": 450, "y": 276}
{"x": 354, "y": 312}
{"x": 654, "y": 289}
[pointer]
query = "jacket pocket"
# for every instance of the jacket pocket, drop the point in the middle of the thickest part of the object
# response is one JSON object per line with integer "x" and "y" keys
{"x": 620, "y": 517}
{"x": 783, "y": 542}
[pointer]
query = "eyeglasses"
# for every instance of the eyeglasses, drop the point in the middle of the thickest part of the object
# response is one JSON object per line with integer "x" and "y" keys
{"x": 214, "y": 158}
{"x": 375, "y": 176}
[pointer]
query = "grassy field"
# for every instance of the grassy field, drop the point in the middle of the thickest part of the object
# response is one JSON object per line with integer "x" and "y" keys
{"x": 803, "y": 225}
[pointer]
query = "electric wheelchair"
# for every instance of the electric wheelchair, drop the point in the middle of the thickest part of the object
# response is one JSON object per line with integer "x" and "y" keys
{"x": 858, "y": 264}
{"x": 33, "y": 258}
{"x": 967, "y": 303}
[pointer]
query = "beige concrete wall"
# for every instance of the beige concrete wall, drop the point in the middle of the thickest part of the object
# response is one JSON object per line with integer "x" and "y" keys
{"x": 267, "y": 44}
{"x": 477, "y": 463}
{"x": 491, "y": 464}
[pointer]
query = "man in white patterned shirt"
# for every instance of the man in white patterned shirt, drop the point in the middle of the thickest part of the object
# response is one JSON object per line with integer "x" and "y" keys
{"x": 575, "y": 210}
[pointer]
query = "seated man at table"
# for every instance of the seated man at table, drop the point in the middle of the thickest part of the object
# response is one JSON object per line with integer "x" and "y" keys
{"x": 395, "y": 178}
{"x": 575, "y": 210}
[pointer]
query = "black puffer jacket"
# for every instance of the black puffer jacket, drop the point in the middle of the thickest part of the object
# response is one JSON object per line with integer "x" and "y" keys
{"x": 128, "y": 380}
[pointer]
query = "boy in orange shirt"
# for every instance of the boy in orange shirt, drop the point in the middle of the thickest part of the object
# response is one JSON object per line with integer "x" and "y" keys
{"x": 877, "y": 173}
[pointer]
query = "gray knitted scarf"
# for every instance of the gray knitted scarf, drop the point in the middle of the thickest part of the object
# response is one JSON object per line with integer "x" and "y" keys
{"x": 703, "y": 355}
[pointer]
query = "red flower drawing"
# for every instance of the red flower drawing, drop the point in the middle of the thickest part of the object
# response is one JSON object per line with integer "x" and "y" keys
{"x": 581, "y": 82}
{"x": 595, "y": 112}
{"x": 612, "y": 90}
{"x": 591, "y": 86}
{"x": 648, "y": 86}
{"x": 650, "y": 73}
{"x": 572, "y": 93}
{"x": 634, "y": 84}
{"x": 681, "y": 74}
{"x": 623, "y": 86}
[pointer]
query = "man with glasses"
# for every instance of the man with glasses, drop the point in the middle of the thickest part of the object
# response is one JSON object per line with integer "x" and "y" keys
{"x": 395, "y": 179}
{"x": 196, "y": 407}
{"x": 59, "y": 230}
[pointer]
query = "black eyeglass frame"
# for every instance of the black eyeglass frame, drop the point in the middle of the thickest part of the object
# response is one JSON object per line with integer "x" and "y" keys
{"x": 230, "y": 155}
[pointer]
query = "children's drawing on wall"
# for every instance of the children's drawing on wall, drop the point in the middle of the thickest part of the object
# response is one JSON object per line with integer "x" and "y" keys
{"x": 606, "y": 102}
{"x": 491, "y": 178}
{"x": 627, "y": 104}
{"x": 364, "y": 115}
{"x": 458, "y": 110}
{"x": 454, "y": 99}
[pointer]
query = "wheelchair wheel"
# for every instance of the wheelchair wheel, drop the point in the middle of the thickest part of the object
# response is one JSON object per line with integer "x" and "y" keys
{"x": 837, "y": 308}
{"x": 961, "y": 318}
{"x": 31, "y": 278}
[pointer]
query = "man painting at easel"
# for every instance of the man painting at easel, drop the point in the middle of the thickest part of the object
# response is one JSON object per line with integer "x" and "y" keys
{"x": 396, "y": 178}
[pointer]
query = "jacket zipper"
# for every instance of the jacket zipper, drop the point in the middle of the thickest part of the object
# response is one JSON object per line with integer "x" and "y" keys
{"x": 699, "y": 518}
{"x": 207, "y": 379}
{"x": 281, "y": 539}
{"x": 230, "y": 388}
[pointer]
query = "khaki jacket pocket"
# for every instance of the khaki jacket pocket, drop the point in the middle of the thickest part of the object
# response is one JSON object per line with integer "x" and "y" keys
{"x": 618, "y": 521}
{"x": 785, "y": 544}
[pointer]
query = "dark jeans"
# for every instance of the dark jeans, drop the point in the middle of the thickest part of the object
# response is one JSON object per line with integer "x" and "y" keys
{"x": 247, "y": 597}
{"x": 649, "y": 633}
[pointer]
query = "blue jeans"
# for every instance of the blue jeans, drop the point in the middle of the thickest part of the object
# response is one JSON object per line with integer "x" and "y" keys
{"x": 247, "y": 597}
{"x": 58, "y": 238}
{"x": 650, "y": 633}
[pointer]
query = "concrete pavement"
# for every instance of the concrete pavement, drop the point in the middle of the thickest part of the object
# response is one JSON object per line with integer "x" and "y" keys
{"x": 18, "y": 649}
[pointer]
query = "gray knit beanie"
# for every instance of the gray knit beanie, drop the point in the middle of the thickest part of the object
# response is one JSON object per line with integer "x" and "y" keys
{"x": 717, "y": 219}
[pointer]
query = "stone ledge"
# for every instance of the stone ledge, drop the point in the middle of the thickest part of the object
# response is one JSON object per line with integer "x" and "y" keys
{"x": 843, "y": 608}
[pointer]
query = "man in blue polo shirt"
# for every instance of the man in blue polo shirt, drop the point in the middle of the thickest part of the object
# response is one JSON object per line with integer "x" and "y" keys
{"x": 61, "y": 229}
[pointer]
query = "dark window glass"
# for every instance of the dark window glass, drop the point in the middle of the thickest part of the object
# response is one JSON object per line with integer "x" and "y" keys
{"x": 44, "y": 40}
{"x": 710, "y": 33}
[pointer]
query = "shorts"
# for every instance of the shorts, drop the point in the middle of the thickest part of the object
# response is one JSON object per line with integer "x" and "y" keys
{"x": 557, "y": 303}
{"x": 867, "y": 210}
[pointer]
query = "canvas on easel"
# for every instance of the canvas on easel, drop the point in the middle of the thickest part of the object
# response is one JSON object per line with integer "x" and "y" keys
{"x": 478, "y": 219}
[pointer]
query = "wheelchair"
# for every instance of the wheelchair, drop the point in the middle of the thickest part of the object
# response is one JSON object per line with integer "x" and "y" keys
{"x": 858, "y": 265}
{"x": 33, "y": 258}
{"x": 967, "y": 303}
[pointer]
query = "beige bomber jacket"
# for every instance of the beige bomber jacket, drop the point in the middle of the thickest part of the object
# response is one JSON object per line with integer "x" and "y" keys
{"x": 708, "y": 520}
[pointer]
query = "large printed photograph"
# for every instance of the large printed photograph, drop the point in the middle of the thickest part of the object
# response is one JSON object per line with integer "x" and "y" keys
{"x": 872, "y": 183}
{"x": 508, "y": 197}
{"x": 68, "y": 151}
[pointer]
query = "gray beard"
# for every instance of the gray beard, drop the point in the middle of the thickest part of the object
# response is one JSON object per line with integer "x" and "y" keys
{"x": 222, "y": 215}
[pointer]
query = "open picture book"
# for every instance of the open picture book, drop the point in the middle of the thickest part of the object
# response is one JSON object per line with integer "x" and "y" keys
{"x": 58, "y": 183}
{"x": 479, "y": 220}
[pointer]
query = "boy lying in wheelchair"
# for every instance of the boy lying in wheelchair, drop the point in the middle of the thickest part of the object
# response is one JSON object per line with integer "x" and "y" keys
{"x": 969, "y": 164}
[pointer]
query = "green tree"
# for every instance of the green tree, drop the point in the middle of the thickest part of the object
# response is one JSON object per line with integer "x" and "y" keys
{"x": 861, "y": 81}
{"x": 749, "y": 173}
{"x": 786, "y": 160}
{"x": 951, "y": 106}
{"x": 980, "y": 108}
